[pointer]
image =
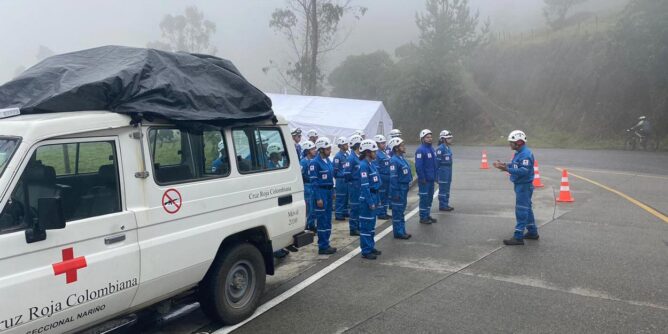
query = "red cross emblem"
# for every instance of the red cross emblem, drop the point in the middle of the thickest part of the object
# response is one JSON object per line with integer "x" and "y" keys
{"x": 70, "y": 265}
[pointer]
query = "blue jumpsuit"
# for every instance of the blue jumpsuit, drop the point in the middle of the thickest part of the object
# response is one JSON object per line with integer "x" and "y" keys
{"x": 401, "y": 177}
{"x": 382, "y": 164}
{"x": 426, "y": 166}
{"x": 352, "y": 175}
{"x": 370, "y": 184}
{"x": 340, "y": 162}
{"x": 300, "y": 152}
{"x": 444, "y": 158}
{"x": 521, "y": 174}
{"x": 321, "y": 172}
{"x": 308, "y": 194}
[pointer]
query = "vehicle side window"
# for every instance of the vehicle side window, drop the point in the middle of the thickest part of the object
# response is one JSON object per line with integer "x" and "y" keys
{"x": 216, "y": 158}
{"x": 259, "y": 149}
{"x": 170, "y": 155}
{"x": 84, "y": 175}
{"x": 187, "y": 155}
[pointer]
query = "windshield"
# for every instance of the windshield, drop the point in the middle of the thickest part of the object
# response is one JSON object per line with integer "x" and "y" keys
{"x": 7, "y": 148}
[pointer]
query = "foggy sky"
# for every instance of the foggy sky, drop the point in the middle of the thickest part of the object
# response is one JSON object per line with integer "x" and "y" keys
{"x": 243, "y": 34}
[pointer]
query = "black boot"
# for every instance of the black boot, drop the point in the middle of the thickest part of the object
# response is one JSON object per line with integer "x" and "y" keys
{"x": 433, "y": 220}
{"x": 328, "y": 251}
{"x": 370, "y": 256}
{"x": 404, "y": 237}
{"x": 425, "y": 221}
{"x": 376, "y": 252}
{"x": 513, "y": 242}
{"x": 531, "y": 236}
{"x": 449, "y": 208}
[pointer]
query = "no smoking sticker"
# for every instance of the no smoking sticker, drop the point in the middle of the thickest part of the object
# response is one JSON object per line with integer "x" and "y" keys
{"x": 172, "y": 201}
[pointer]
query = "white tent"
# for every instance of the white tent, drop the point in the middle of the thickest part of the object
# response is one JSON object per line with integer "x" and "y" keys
{"x": 332, "y": 117}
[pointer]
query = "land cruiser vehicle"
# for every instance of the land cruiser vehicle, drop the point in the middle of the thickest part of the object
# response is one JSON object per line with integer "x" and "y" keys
{"x": 130, "y": 177}
{"x": 100, "y": 217}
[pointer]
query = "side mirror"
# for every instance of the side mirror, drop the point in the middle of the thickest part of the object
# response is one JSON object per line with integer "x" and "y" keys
{"x": 50, "y": 212}
{"x": 49, "y": 217}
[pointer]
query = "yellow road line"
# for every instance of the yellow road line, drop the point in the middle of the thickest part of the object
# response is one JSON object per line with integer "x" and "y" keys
{"x": 642, "y": 205}
{"x": 621, "y": 173}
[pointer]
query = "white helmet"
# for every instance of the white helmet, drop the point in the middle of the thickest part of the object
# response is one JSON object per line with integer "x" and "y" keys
{"x": 312, "y": 133}
{"x": 307, "y": 145}
{"x": 274, "y": 148}
{"x": 642, "y": 118}
{"x": 359, "y": 133}
{"x": 424, "y": 133}
{"x": 341, "y": 141}
{"x": 445, "y": 134}
{"x": 221, "y": 145}
{"x": 517, "y": 135}
{"x": 379, "y": 139}
{"x": 395, "y": 133}
{"x": 394, "y": 142}
{"x": 296, "y": 131}
{"x": 323, "y": 142}
{"x": 368, "y": 145}
{"x": 355, "y": 139}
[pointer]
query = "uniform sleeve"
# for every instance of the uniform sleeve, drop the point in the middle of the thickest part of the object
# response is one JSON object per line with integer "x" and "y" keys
{"x": 419, "y": 164}
{"x": 524, "y": 165}
{"x": 348, "y": 170}
{"x": 365, "y": 193}
{"x": 337, "y": 165}
{"x": 394, "y": 179}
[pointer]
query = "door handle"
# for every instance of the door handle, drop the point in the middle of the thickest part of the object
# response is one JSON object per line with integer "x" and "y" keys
{"x": 114, "y": 239}
{"x": 284, "y": 200}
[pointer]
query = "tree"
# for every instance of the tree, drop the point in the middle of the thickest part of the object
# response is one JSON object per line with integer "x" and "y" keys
{"x": 312, "y": 30}
{"x": 188, "y": 32}
{"x": 556, "y": 11}
{"x": 428, "y": 82}
{"x": 361, "y": 77}
{"x": 449, "y": 31}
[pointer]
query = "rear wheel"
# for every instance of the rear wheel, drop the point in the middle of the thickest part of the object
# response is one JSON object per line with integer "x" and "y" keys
{"x": 232, "y": 289}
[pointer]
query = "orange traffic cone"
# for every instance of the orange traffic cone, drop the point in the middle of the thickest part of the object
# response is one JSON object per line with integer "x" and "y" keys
{"x": 536, "y": 176}
{"x": 483, "y": 163}
{"x": 565, "y": 190}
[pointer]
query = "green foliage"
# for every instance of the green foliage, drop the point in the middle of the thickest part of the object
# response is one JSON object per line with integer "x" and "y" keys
{"x": 362, "y": 76}
{"x": 188, "y": 32}
{"x": 556, "y": 11}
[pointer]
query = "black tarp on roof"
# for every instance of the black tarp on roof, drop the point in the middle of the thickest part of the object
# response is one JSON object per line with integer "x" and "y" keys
{"x": 179, "y": 87}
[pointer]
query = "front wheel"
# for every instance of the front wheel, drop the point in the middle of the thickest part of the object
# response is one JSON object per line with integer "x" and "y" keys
{"x": 232, "y": 289}
{"x": 630, "y": 144}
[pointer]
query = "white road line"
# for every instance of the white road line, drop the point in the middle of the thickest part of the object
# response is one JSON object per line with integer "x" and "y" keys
{"x": 315, "y": 277}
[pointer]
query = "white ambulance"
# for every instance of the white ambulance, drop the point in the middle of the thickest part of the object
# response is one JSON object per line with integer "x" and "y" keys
{"x": 100, "y": 218}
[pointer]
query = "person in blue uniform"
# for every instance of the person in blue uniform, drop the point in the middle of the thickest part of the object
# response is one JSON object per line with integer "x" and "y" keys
{"x": 297, "y": 138}
{"x": 444, "y": 158}
{"x": 340, "y": 162}
{"x": 426, "y": 167}
{"x": 221, "y": 165}
{"x": 370, "y": 185}
{"x": 275, "y": 160}
{"x": 308, "y": 155}
{"x": 401, "y": 177}
{"x": 382, "y": 164}
{"x": 352, "y": 175}
{"x": 395, "y": 133}
{"x": 312, "y": 135}
{"x": 321, "y": 172}
{"x": 521, "y": 174}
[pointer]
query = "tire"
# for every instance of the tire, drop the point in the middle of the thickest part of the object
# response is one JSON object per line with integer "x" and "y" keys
{"x": 231, "y": 291}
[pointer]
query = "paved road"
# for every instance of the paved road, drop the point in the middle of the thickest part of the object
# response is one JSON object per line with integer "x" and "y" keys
{"x": 601, "y": 264}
